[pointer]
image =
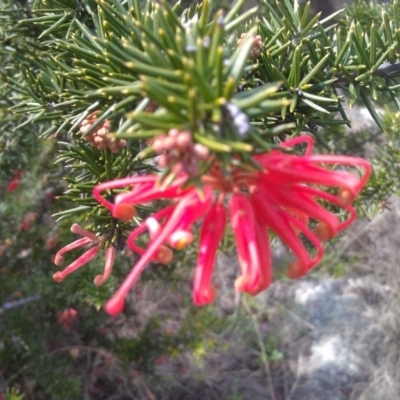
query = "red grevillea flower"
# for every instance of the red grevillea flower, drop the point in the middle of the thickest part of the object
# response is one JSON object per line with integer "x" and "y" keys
{"x": 286, "y": 195}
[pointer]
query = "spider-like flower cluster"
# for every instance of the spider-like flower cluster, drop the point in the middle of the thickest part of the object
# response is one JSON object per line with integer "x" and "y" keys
{"x": 287, "y": 195}
{"x": 257, "y": 47}
{"x": 100, "y": 137}
{"x": 295, "y": 197}
{"x": 178, "y": 152}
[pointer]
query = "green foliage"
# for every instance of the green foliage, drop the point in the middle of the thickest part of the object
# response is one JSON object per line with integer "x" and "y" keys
{"x": 13, "y": 394}
{"x": 143, "y": 349}
{"x": 336, "y": 264}
{"x": 366, "y": 12}
{"x": 89, "y": 167}
{"x": 146, "y": 346}
{"x": 146, "y": 69}
{"x": 56, "y": 378}
{"x": 149, "y": 68}
{"x": 387, "y": 159}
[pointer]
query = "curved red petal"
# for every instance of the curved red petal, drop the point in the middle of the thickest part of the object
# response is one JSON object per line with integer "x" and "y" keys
{"x": 212, "y": 232}
{"x": 244, "y": 229}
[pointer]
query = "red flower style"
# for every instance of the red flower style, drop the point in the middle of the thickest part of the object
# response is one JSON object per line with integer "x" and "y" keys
{"x": 285, "y": 195}
{"x": 88, "y": 238}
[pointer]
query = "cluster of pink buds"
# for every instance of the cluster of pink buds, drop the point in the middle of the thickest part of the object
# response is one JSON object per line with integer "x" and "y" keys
{"x": 287, "y": 196}
{"x": 178, "y": 152}
{"x": 100, "y": 137}
{"x": 257, "y": 47}
{"x": 88, "y": 239}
